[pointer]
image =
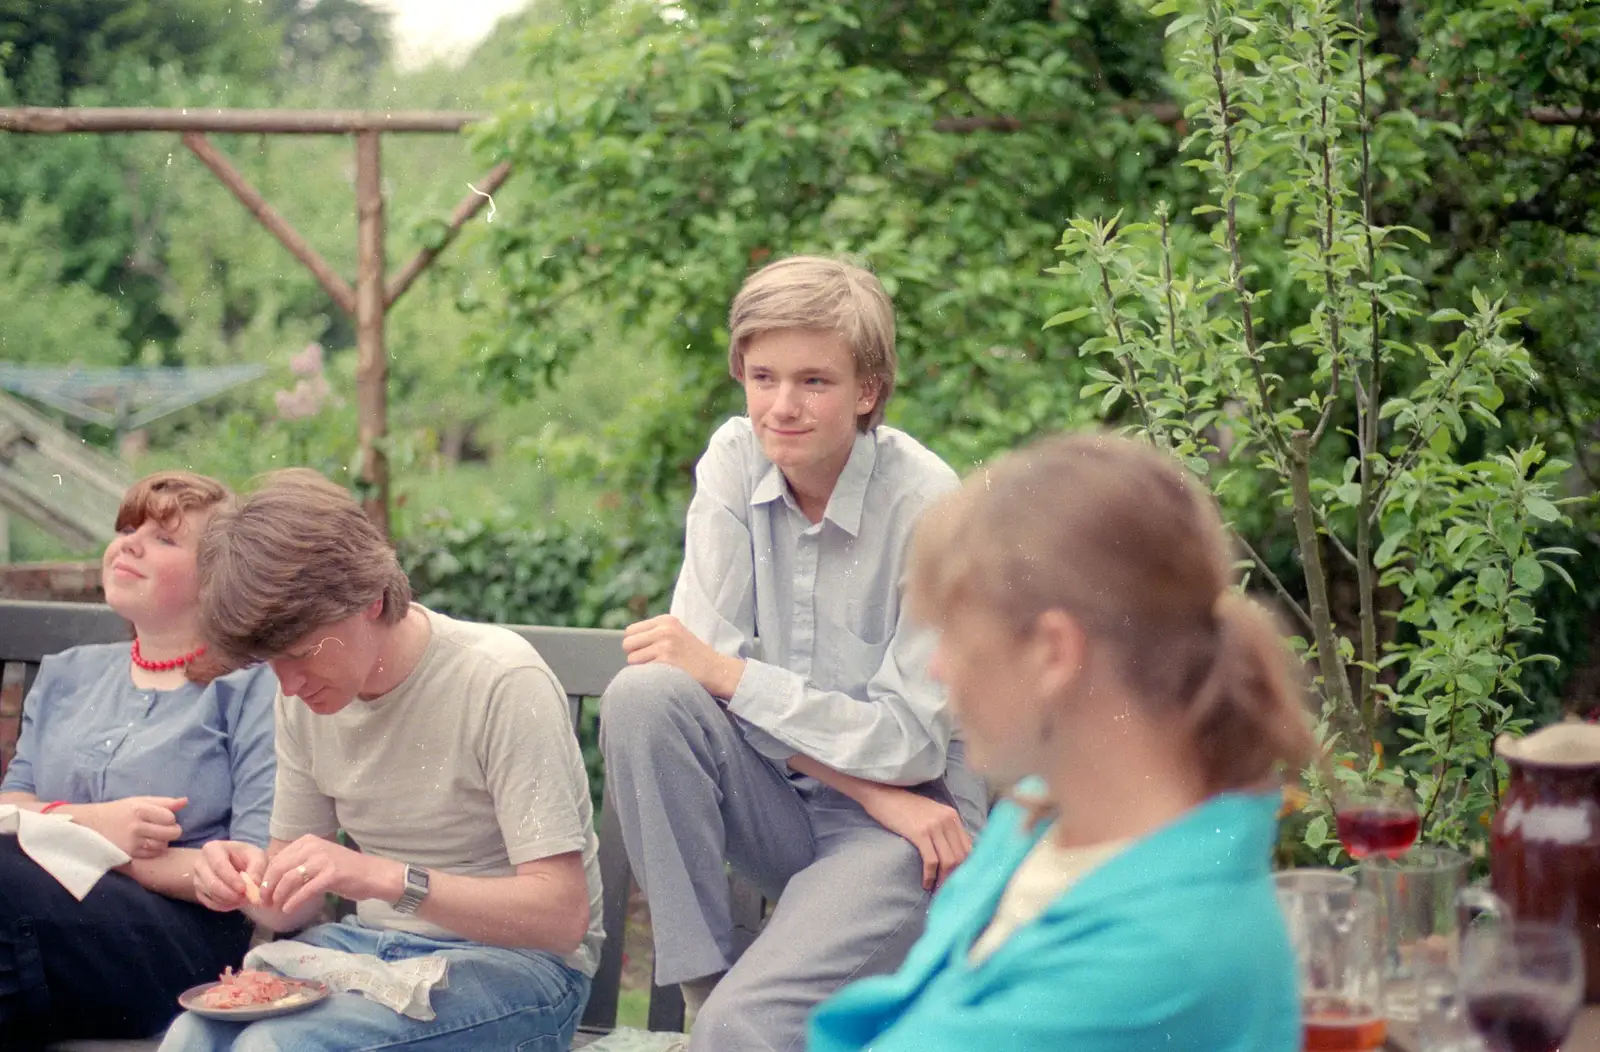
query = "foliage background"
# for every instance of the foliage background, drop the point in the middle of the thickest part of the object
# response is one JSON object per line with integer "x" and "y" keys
{"x": 555, "y": 376}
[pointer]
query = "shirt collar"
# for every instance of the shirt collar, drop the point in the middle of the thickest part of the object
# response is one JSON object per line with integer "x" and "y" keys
{"x": 849, "y": 493}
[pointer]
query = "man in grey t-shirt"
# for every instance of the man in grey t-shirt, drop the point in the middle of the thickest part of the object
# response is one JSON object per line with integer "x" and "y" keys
{"x": 781, "y": 717}
{"x": 442, "y": 748}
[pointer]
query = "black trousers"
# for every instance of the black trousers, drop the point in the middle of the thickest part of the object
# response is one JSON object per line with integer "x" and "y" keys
{"x": 111, "y": 966}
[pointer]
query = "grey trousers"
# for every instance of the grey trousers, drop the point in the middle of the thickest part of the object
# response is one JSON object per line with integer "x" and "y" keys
{"x": 693, "y": 796}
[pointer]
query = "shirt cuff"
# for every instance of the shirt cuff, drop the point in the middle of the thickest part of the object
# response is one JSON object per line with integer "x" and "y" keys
{"x": 766, "y": 693}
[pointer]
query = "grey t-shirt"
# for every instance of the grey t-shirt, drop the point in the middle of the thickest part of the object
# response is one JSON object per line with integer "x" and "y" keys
{"x": 469, "y": 766}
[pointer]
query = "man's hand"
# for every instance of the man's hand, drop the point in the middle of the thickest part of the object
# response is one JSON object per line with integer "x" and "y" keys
{"x": 228, "y": 875}
{"x": 142, "y": 826}
{"x": 664, "y": 639}
{"x": 313, "y": 866}
{"x": 934, "y": 829}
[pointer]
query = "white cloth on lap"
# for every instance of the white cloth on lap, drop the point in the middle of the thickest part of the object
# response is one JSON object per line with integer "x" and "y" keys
{"x": 75, "y": 855}
{"x": 405, "y": 986}
{"x": 623, "y": 1039}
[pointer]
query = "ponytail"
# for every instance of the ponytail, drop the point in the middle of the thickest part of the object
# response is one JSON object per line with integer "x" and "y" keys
{"x": 1247, "y": 718}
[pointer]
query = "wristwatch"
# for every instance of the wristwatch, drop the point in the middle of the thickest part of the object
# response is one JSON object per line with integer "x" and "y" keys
{"x": 416, "y": 890}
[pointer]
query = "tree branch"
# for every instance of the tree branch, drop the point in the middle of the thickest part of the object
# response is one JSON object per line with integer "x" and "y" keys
{"x": 1277, "y": 586}
{"x": 1368, "y": 413}
{"x": 1333, "y": 538}
{"x": 1330, "y": 663}
{"x": 1235, "y": 256}
{"x": 1163, "y": 112}
{"x": 1172, "y": 113}
{"x": 1122, "y": 356}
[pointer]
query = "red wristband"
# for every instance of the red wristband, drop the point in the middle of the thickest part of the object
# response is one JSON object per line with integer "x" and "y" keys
{"x": 51, "y": 806}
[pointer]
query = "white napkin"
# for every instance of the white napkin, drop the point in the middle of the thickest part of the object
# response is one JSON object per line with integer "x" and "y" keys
{"x": 623, "y": 1039}
{"x": 402, "y": 986}
{"x": 75, "y": 855}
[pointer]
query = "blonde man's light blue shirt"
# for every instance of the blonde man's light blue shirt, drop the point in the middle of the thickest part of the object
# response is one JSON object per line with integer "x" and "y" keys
{"x": 834, "y": 668}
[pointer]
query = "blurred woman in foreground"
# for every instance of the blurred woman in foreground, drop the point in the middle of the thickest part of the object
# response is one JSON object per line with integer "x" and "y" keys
{"x": 1093, "y": 645}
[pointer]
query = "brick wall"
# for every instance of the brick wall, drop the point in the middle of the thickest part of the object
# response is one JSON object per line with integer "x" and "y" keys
{"x": 64, "y": 582}
{"x": 10, "y": 712}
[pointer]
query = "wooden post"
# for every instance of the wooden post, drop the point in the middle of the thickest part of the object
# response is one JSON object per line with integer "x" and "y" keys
{"x": 268, "y": 217}
{"x": 372, "y": 363}
{"x": 468, "y": 208}
{"x": 370, "y": 299}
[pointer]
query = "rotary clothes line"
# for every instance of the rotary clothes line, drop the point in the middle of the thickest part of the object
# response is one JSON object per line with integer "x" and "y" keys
{"x": 369, "y": 300}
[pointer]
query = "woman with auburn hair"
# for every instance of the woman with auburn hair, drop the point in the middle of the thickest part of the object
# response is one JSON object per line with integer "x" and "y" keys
{"x": 1096, "y": 650}
{"x": 129, "y": 740}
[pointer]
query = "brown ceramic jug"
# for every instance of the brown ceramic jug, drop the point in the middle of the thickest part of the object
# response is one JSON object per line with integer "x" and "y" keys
{"x": 1545, "y": 839}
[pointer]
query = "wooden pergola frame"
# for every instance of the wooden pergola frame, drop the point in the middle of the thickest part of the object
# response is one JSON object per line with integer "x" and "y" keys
{"x": 369, "y": 300}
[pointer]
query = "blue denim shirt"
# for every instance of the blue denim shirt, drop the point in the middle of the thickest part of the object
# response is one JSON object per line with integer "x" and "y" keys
{"x": 89, "y": 736}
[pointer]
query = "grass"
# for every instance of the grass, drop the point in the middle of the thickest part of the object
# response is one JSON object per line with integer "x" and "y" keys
{"x": 633, "y": 1008}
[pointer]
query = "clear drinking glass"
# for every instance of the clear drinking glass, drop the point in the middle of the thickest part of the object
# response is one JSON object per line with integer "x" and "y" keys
{"x": 1523, "y": 984}
{"x": 1418, "y": 920}
{"x": 1334, "y": 931}
{"x": 1313, "y": 878}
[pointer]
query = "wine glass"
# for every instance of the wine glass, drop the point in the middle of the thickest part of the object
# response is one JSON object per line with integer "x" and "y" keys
{"x": 1523, "y": 984}
{"x": 1377, "y": 819}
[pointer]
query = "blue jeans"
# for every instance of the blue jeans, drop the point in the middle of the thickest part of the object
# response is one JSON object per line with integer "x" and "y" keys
{"x": 527, "y": 1000}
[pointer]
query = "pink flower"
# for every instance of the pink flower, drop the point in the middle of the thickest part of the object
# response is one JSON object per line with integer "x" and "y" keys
{"x": 304, "y": 401}
{"x": 308, "y": 362}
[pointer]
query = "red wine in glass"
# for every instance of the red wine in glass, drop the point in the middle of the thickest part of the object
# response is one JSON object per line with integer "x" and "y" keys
{"x": 1519, "y": 1020}
{"x": 1374, "y": 828}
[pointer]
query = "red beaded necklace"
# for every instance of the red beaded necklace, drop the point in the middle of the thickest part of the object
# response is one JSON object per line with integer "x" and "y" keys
{"x": 165, "y": 666}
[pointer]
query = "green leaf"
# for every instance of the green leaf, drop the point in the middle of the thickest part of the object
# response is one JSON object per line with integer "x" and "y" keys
{"x": 1528, "y": 573}
{"x": 1540, "y": 508}
{"x": 1447, "y": 314}
{"x": 1178, "y": 25}
{"x": 1067, "y": 316}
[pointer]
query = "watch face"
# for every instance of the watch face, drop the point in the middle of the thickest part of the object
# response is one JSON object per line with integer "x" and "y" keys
{"x": 416, "y": 889}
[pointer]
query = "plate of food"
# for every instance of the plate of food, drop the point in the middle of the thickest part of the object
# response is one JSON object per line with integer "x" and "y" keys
{"x": 243, "y": 997}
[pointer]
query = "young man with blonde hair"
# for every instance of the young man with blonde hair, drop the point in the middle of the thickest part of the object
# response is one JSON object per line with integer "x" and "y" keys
{"x": 443, "y": 749}
{"x": 781, "y": 718}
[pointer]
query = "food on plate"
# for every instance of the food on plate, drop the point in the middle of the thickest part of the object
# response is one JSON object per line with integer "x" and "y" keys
{"x": 252, "y": 989}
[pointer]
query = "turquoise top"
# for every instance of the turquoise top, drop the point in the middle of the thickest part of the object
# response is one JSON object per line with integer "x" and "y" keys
{"x": 1176, "y": 944}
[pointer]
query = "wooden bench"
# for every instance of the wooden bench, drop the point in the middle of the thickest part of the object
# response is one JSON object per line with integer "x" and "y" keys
{"x": 584, "y": 660}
